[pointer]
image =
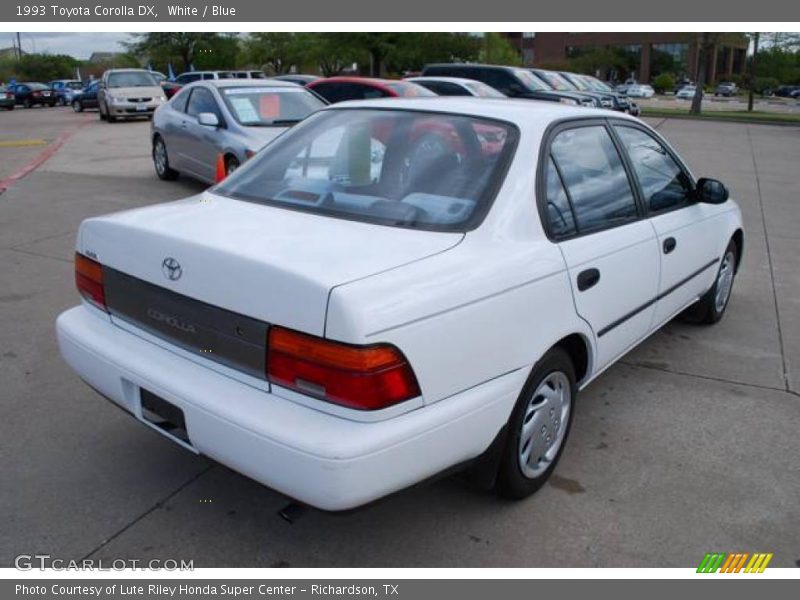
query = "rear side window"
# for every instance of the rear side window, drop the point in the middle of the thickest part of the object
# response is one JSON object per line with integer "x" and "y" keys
{"x": 594, "y": 178}
{"x": 663, "y": 182}
{"x": 559, "y": 211}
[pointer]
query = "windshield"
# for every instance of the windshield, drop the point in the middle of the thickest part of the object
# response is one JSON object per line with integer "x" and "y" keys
{"x": 74, "y": 85}
{"x": 482, "y": 90}
{"x": 270, "y": 106}
{"x": 530, "y": 81}
{"x": 392, "y": 167}
{"x": 408, "y": 90}
{"x": 578, "y": 82}
{"x": 598, "y": 85}
{"x": 556, "y": 81}
{"x": 131, "y": 79}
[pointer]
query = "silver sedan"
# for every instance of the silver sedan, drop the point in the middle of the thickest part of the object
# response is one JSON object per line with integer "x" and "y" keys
{"x": 211, "y": 127}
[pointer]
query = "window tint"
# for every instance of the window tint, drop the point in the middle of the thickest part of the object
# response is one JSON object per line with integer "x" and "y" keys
{"x": 663, "y": 182}
{"x": 559, "y": 212}
{"x": 594, "y": 177}
{"x": 499, "y": 79}
{"x": 201, "y": 101}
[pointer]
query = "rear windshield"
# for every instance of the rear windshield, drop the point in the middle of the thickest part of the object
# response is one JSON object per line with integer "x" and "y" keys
{"x": 131, "y": 79}
{"x": 482, "y": 90}
{"x": 74, "y": 85}
{"x": 37, "y": 86}
{"x": 393, "y": 167}
{"x": 409, "y": 90}
{"x": 270, "y": 106}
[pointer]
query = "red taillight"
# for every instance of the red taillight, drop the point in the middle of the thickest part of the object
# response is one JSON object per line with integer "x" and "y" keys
{"x": 89, "y": 280}
{"x": 361, "y": 377}
{"x": 9, "y": 95}
{"x": 37, "y": 93}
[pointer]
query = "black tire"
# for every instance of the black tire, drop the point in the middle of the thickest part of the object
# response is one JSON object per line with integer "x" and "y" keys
{"x": 165, "y": 172}
{"x": 77, "y": 106}
{"x": 708, "y": 310}
{"x": 511, "y": 481}
{"x": 10, "y": 107}
{"x": 100, "y": 112}
{"x": 231, "y": 164}
{"x": 27, "y": 103}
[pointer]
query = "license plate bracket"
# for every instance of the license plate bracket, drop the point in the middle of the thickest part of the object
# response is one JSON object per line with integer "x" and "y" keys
{"x": 164, "y": 416}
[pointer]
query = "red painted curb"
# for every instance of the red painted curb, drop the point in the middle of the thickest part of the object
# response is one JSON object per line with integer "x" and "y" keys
{"x": 41, "y": 157}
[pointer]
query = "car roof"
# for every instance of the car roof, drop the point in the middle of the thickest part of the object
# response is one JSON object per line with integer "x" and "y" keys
{"x": 356, "y": 79}
{"x": 242, "y": 82}
{"x": 458, "y": 80}
{"x": 470, "y": 66}
{"x": 518, "y": 111}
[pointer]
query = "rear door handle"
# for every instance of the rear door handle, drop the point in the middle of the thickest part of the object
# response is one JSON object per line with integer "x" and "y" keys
{"x": 669, "y": 245}
{"x": 587, "y": 279}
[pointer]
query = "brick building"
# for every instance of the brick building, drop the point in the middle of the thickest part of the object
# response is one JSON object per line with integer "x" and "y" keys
{"x": 645, "y": 55}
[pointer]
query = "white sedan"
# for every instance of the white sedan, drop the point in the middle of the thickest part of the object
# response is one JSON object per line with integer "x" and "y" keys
{"x": 394, "y": 288}
{"x": 457, "y": 86}
{"x": 687, "y": 92}
{"x": 640, "y": 90}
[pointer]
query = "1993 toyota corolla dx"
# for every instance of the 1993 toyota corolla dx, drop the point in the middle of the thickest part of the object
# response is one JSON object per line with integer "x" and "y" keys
{"x": 394, "y": 288}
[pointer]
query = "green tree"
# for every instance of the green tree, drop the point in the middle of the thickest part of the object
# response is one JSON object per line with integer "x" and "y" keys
{"x": 275, "y": 52}
{"x": 415, "y": 50}
{"x": 164, "y": 47}
{"x": 664, "y": 82}
{"x": 42, "y": 67}
{"x": 496, "y": 50}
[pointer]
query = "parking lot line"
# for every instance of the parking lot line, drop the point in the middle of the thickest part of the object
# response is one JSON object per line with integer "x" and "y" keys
{"x": 41, "y": 157}
{"x": 21, "y": 143}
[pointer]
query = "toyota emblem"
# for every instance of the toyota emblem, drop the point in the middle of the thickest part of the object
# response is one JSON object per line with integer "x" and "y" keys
{"x": 171, "y": 268}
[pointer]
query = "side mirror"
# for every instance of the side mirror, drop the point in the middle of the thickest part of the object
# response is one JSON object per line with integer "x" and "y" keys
{"x": 711, "y": 191}
{"x": 208, "y": 119}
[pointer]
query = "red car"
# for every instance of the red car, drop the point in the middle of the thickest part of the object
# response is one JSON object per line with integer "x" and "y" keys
{"x": 339, "y": 89}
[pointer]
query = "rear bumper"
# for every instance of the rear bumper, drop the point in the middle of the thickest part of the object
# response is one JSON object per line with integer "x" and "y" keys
{"x": 323, "y": 460}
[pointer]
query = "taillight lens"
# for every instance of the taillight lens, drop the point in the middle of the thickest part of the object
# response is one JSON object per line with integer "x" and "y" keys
{"x": 361, "y": 377}
{"x": 89, "y": 280}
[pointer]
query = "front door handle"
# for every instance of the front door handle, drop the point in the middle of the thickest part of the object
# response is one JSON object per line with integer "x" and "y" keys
{"x": 669, "y": 245}
{"x": 587, "y": 279}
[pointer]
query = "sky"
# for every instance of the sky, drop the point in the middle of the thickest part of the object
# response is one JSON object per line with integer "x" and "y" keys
{"x": 78, "y": 45}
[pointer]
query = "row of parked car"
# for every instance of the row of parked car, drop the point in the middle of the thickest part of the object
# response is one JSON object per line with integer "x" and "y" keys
{"x": 213, "y": 122}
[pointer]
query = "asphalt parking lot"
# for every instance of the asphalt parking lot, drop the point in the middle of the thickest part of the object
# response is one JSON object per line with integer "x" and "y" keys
{"x": 689, "y": 445}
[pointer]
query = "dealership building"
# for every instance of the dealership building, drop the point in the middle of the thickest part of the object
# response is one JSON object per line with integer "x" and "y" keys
{"x": 645, "y": 55}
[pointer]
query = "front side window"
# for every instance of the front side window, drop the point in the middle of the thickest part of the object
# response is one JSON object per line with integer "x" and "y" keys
{"x": 393, "y": 167}
{"x": 201, "y": 101}
{"x": 664, "y": 184}
{"x": 269, "y": 106}
{"x": 594, "y": 177}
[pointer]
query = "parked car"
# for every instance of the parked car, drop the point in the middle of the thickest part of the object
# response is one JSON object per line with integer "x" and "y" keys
{"x": 726, "y": 88}
{"x": 30, "y": 94}
{"x": 557, "y": 81}
{"x": 786, "y": 91}
{"x": 339, "y": 324}
{"x": 171, "y": 87}
{"x": 7, "y": 100}
{"x": 297, "y": 78}
{"x": 641, "y": 90}
{"x": 86, "y": 98}
{"x": 511, "y": 81}
{"x": 224, "y": 121}
{"x": 795, "y": 93}
{"x": 338, "y": 89}
{"x": 128, "y": 93}
{"x": 64, "y": 90}
{"x": 620, "y": 102}
{"x": 682, "y": 83}
{"x": 687, "y": 92}
{"x": 456, "y": 86}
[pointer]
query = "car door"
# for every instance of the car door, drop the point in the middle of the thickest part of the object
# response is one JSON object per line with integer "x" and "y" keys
{"x": 199, "y": 144}
{"x": 687, "y": 231}
{"x": 170, "y": 122}
{"x": 89, "y": 97}
{"x": 590, "y": 210}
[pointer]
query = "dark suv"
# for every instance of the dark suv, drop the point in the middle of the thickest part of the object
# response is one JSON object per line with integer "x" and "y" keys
{"x": 512, "y": 81}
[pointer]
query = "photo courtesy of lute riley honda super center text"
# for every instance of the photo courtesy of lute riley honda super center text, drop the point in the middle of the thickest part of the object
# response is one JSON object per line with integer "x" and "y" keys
{"x": 204, "y": 590}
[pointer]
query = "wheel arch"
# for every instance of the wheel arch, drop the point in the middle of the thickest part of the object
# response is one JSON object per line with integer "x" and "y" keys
{"x": 579, "y": 349}
{"x": 738, "y": 239}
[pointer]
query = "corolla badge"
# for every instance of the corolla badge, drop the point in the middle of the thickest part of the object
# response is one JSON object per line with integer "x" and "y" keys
{"x": 171, "y": 268}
